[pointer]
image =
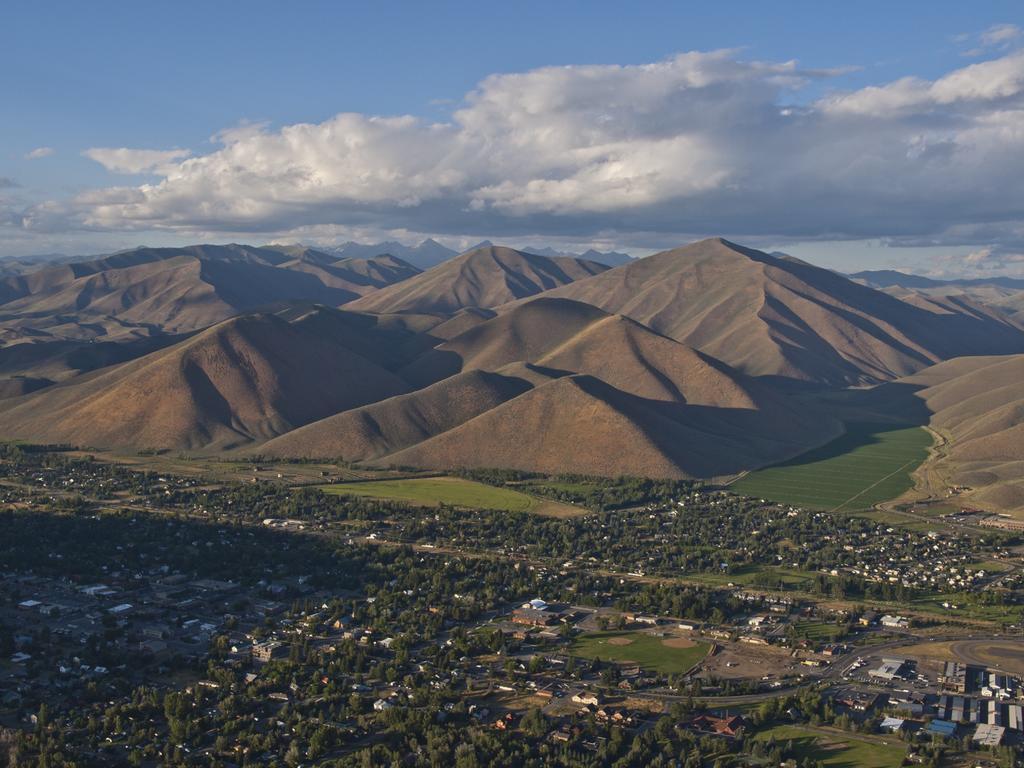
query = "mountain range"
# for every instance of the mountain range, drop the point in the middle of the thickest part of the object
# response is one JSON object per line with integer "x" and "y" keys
{"x": 701, "y": 361}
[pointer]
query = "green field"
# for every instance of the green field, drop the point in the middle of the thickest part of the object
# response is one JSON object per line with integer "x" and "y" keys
{"x": 432, "y": 491}
{"x": 869, "y": 464}
{"x": 648, "y": 651}
{"x": 839, "y": 750}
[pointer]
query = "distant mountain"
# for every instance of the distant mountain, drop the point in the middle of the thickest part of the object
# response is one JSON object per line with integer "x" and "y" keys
{"x": 888, "y": 278}
{"x": 149, "y": 291}
{"x": 427, "y": 254}
{"x": 484, "y": 277}
{"x": 783, "y": 318}
{"x": 1003, "y": 293}
{"x": 609, "y": 258}
{"x": 248, "y": 378}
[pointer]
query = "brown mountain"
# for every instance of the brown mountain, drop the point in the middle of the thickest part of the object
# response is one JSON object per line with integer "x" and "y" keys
{"x": 249, "y": 378}
{"x": 398, "y": 422}
{"x": 484, "y": 277}
{"x": 781, "y": 317}
{"x": 573, "y": 337}
{"x": 581, "y": 424}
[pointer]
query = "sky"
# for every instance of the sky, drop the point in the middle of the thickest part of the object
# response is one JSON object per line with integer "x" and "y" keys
{"x": 857, "y": 136}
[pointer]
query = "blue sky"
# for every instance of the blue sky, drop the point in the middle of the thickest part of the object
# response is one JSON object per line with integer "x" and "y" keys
{"x": 167, "y": 76}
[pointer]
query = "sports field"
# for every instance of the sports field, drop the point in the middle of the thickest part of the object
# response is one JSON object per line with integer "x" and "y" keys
{"x": 869, "y": 464}
{"x": 454, "y": 491}
{"x": 839, "y": 750}
{"x": 667, "y": 655}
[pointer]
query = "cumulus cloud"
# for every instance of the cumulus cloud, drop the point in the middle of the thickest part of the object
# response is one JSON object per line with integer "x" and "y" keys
{"x": 123, "y": 160}
{"x": 702, "y": 143}
{"x": 40, "y": 152}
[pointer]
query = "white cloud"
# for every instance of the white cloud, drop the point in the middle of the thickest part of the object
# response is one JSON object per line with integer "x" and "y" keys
{"x": 702, "y": 143}
{"x": 1000, "y": 34}
{"x": 40, "y": 152}
{"x": 122, "y": 160}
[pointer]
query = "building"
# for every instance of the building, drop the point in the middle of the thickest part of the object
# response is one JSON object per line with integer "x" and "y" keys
{"x": 889, "y": 669}
{"x": 893, "y": 724}
{"x": 533, "y": 617}
{"x": 989, "y": 735}
{"x": 868, "y": 619}
{"x": 895, "y": 622}
{"x": 268, "y": 651}
{"x": 945, "y": 729}
{"x": 730, "y": 727}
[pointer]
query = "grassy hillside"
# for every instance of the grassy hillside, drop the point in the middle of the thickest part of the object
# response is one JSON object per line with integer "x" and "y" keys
{"x": 869, "y": 464}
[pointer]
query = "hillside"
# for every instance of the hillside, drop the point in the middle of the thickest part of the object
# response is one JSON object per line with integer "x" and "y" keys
{"x": 783, "y": 318}
{"x": 484, "y": 277}
{"x": 977, "y": 404}
{"x": 580, "y": 424}
{"x": 398, "y": 422}
{"x": 569, "y": 336}
{"x": 249, "y": 378}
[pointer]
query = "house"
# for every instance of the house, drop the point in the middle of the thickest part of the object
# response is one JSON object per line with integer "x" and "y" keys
{"x": 868, "y": 619}
{"x": 381, "y": 705}
{"x": 586, "y": 697}
{"x": 860, "y": 701}
{"x": 730, "y": 727}
{"x": 895, "y": 622}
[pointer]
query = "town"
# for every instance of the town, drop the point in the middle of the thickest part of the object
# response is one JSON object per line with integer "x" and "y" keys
{"x": 155, "y": 618}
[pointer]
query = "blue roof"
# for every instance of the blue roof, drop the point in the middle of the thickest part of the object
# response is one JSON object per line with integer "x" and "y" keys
{"x": 942, "y": 727}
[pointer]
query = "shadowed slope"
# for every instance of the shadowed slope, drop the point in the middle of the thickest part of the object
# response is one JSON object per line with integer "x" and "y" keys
{"x": 246, "y": 379}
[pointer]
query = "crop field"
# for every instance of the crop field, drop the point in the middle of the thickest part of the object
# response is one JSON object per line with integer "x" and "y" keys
{"x": 869, "y": 464}
{"x": 454, "y": 491}
{"x": 667, "y": 655}
{"x": 839, "y": 750}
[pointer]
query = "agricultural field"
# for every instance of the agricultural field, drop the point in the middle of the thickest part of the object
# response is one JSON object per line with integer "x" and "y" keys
{"x": 869, "y": 464}
{"x": 835, "y": 749}
{"x": 667, "y": 655}
{"x": 454, "y": 491}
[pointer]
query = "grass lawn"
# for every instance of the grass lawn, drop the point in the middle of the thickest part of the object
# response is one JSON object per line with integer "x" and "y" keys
{"x": 764, "y": 576}
{"x": 821, "y": 631}
{"x": 432, "y": 491}
{"x": 646, "y": 650}
{"x": 839, "y": 750}
{"x": 869, "y": 464}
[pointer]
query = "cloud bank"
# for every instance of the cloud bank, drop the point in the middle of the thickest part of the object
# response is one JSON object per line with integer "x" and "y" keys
{"x": 702, "y": 143}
